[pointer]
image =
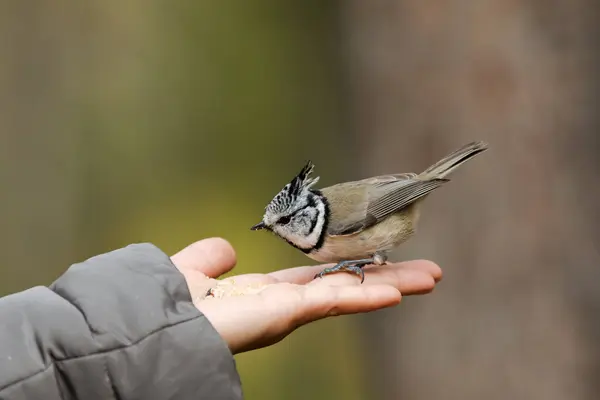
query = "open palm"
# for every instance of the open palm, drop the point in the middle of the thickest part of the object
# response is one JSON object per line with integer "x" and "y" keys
{"x": 257, "y": 310}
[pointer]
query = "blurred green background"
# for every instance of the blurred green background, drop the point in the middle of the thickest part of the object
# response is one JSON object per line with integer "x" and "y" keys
{"x": 169, "y": 122}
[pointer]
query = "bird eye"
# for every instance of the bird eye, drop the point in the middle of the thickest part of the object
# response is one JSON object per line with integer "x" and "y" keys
{"x": 284, "y": 220}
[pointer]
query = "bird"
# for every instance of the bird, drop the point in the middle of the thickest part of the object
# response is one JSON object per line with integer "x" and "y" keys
{"x": 356, "y": 223}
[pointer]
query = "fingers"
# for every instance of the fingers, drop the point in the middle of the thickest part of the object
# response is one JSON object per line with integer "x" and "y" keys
{"x": 323, "y": 301}
{"x": 298, "y": 275}
{"x": 432, "y": 268}
{"x": 213, "y": 257}
{"x": 409, "y": 281}
{"x": 412, "y": 277}
{"x": 302, "y": 275}
{"x": 415, "y": 277}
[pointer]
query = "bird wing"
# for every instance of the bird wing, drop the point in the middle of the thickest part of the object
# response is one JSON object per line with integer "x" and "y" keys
{"x": 355, "y": 206}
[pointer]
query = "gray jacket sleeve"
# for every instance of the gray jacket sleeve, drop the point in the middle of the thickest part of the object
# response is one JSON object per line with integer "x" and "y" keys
{"x": 118, "y": 326}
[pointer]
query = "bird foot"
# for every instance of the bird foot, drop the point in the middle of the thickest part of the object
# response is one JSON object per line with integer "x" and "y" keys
{"x": 355, "y": 267}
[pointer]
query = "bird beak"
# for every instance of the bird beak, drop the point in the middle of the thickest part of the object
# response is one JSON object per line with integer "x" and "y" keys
{"x": 259, "y": 226}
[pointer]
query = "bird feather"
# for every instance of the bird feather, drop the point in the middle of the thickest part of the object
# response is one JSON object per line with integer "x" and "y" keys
{"x": 356, "y": 206}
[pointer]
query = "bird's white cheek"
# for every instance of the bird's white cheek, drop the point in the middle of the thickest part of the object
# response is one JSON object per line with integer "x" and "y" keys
{"x": 286, "y": 233}
{"x": 279, "y": 231}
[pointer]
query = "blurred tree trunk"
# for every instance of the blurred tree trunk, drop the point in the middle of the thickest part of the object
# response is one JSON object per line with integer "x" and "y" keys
{"x": 516, "y": 233}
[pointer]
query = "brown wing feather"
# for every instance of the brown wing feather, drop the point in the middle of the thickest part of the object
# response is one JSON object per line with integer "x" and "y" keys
{"x": 356, "y": 206}
{"x": 397, "y": 196}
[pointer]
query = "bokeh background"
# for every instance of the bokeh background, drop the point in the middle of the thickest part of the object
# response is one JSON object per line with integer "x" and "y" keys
{"x": 168, "y": 122}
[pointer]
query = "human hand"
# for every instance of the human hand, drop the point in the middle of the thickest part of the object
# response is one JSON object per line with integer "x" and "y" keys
{"x": 259, "y": 310}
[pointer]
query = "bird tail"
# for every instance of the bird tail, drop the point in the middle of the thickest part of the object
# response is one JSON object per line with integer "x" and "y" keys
{"x": 448, "y": 164}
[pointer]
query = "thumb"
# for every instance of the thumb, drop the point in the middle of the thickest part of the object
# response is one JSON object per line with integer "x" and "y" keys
{"x": 212, "y": 257}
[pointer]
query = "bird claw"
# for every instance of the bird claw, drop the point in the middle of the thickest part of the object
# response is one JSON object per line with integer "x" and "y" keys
{"x": 343, "y": 267}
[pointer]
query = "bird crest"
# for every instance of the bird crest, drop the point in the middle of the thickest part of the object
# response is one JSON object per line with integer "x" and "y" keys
{"x": 290, "y": 192}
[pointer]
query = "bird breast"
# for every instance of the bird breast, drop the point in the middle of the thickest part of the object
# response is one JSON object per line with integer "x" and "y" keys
{"x": 384, "y": 236}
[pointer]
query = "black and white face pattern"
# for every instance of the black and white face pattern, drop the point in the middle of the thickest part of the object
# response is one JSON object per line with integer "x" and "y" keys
{"x": 298, "y": 214}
